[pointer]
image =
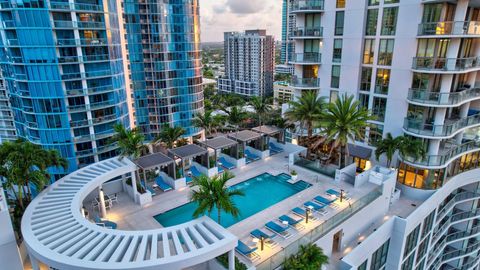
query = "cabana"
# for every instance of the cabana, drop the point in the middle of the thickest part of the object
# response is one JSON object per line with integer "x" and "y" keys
{"x": 273, "y": 136}
{"x": 251, "y": 143}
{"x": 191, "y": 160}
{"x": 164, "y": 169}
{"x": 361, "y": 156}
{"x": 224, "y": 149}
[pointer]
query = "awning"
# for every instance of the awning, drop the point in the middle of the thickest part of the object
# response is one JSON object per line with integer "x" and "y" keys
{"x": 153, "y": 160}
{"x": 359, "y": 151}
{"x": 188, "y": 151}
{"x": 245, "y": 136}
{"x": 267, "y": 130}
{"x": 219, "y": 142}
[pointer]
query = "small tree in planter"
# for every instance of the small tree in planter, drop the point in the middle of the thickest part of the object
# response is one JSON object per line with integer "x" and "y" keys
{"x": 309, "y": 257}
{"x": 294, "y": 175}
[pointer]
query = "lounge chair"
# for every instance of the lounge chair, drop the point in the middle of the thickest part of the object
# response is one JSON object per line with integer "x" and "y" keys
{"x": 220, "y": 169}
{"x": 279, "y": 230}
{"x": 162, "y": 185}
{"x": 274, "y": 148}
{"x": 324, "y": 200}
{"x": 267, "y": 238}
{"x": 247, "y": 251}
{"x": 188, "y": 180}
{"x": 145, "y": 186}
{"x": 316, "y": 207}
{"x": 333, "y": 192}
{"x": 195, "y": 171}
{"x": 302, "y": 213}
{"x": 251, "y": 156}
{"x": 105, "y": 223}
{"x": 227, "y": 165}
{"x": 292, "y": 222}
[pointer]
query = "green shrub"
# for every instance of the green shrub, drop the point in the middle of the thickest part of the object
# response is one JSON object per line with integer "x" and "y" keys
{"x": 309, "y": 257}
{"x": 223, "y": 260}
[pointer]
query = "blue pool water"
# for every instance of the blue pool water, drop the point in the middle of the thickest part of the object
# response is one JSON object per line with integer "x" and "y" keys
{"x": 260, "y": 192}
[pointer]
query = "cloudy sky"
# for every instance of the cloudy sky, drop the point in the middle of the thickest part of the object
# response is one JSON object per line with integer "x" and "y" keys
{"x": 218, "y": 16}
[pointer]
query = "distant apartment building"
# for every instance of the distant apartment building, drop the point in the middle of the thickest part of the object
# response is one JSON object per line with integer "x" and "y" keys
{"x": 7, "y": 127}
{"x": 249, "y": 63}
{"x": 288, "y": 25}
{"x": 283, "y": 69}
{"x": 282, "y": 92}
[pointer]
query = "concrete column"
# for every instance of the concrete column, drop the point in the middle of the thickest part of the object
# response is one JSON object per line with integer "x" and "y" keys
{"x": 463, "y": 113}
{"x": 439, "y": 116}
{"x": 134, "y": 185}
{"x": 231, "y": 259}
{"x": 101, "y": 198}
{"x": 34, "y": 262}
{"x": 433, "y": 147}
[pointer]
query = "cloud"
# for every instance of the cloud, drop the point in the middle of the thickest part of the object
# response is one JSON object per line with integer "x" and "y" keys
{"x": 246, "y": 7}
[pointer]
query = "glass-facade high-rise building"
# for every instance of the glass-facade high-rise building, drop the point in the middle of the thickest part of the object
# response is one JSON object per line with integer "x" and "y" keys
{"x": 62, "y": 64}
{"x": 163, "y": 41}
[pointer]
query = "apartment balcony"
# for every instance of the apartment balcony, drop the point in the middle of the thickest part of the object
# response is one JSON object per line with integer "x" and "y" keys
{"x": 450, "y": 29}
{"x": 445, "y": 65}
{"x": 65, "y": 6}
{"x": 451, "y": 127}
{"x": 454, "y": 254}
{"x": 305, "y": 83}
{"x": 423, "y": 97}
{"x": 307, "y": 6}
{"x": 451, "y": 238}
{"x": 446, "y": 157}
{"x": 312, "y": 58}
{"x": 307, "y": 33}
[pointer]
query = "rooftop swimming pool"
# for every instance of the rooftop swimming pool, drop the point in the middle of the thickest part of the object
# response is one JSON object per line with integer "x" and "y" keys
{"x": 261, "y": 192}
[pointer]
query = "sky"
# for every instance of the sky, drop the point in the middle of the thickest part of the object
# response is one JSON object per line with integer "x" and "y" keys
{"x": 218, "y": 16}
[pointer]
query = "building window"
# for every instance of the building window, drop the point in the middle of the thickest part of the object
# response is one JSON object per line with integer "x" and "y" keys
{"x": 341, "y": 3}
{"x": 335, "y": 82}
{"x": 363, "y": 99}
{"x": 421, "y": 265}
{"x": 391, "y": 1}
{"x": 422, "y": 248}
{"x": 385, "y": 52}
{"x": 366, "y": 80}
{"x": 337, "y": 50}
{"x": 382, "y": 81}
{"x": 379, "y": 107}
{"x": 375, "y": 134}
{"x": 363, "y": 266}
{"x": 371, "y": 25}
{"x": 408, "y": 263}
{"x": 368, "y": 51}
{"x": 379, "y": 258}
{"x": 389, "y": 21}
{"x": 411, "y": 241}
{"x": 427, "y": 224}
{"x": 339, "y": 22}
{"x": 333, "y": 96}
{"x": 373, "y": 2}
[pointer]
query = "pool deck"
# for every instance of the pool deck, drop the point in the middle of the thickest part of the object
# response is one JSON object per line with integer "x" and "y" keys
{"x": 130, "y": 216}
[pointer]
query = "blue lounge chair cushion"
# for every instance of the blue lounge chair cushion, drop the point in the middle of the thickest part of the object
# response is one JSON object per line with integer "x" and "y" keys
{"x": 220, "y": 169}
{"x": 188, "y": 179}
{"x": 275, "y": 148}
{"x": 106, "y": 223}
{"x": 161, "y": 184}
{"x": 299, "y": 211}
{"x": 290, "y": 220}
{"x": 258, "y": 234}
{"x": 251, "y": 156}
{"x": 324, "y": 200}
{"x": 244, "y": 249}
{"x": 151, "y": 190}
{"x": 333, "y": 192}
{"x": 275, "y": 227}
{"x": 195, "y": 171}
{"x": 226, "y": 164}
{"x": 315, "y": 206}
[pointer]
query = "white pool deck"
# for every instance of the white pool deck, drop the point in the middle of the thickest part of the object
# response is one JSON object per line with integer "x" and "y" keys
{"x": 130, "y": 216}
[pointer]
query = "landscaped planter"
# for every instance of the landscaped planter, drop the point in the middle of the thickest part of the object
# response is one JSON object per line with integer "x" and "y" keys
{"x": 144, "y": 198}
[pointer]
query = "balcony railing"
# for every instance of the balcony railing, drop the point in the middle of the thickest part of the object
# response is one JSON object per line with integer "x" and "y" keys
{"x": 298, "y": 6}
{"x": 459, "y": 28}
{"x": 445, "y": 64}
{"x": 307, "y": 32}
{"x": 305, "y": 82}
{"x": 443, "y": 99}
{"x": 417, "y": 126}
{"x": 307, "y": 58}
{"x": 443, "y": 159}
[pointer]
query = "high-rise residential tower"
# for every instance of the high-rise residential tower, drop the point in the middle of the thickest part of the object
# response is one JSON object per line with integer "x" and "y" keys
{"x": 249, "y": 63}
{"x": 7, "y": 127}
{"x": 163, "y": 41}
{"x": 62, "y": 64}
{"x": 288, "y": 24}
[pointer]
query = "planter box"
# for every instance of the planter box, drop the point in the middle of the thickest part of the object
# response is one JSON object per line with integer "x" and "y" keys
{"x": 144, "y": 198}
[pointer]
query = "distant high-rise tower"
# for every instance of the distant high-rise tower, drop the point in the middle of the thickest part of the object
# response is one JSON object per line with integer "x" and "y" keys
{"x": 288, "y": 25}
{"x": 7, "y": 128}
{"x": 62, "y": 64}
{"x": 164, "y": 54}
{"x": 249, "y": 63}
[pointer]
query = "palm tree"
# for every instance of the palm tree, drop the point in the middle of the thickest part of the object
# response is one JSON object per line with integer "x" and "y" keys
{"x": 261, "y": 107}
{"x": 24, "y": 163}
{"x": 306, "y": 110}
{"x": 212, "y": 193}
{"x": 388, "y": 146}
{"x": 169, "y": 135}
{"x": 309, "y": 257}
{"x": 343, "y": 121}
{"x": 236, "y": 116}
{"x": 130, "y": 142}
{"x": 205, "y": 121}
{"x": 410, "y": 147}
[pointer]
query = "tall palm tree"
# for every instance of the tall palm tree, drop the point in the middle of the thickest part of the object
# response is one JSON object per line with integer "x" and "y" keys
{"x": 236, "y": 116}
{"x": 261, "y": 107}
{"x": 343, "y": 121}
{"x": 212, "y": 193}
{"x": 205, "y": 121}
{"x": 309, "y": 257}
{"x": 388, "y": 146}
{"x": 169, "y": 135}
{"x": 410, "y": 147}
{"x": 130, "y": 142}
{"x": 306, "y": 110}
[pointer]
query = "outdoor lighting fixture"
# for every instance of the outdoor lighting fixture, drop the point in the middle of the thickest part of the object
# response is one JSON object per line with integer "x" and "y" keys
{"x": 341, "y": 194}
{"x": 83, "y": 211}
{"x": 285, "y": 223}
{"x": 262, "y": 242}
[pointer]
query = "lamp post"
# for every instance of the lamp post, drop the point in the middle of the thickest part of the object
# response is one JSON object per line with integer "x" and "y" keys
{"x": 262, "y": 242}
{"x": 308, "y": 210}
{"x": 341, "y": 195}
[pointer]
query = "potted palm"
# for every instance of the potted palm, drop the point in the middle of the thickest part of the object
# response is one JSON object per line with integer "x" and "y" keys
{"x": 294, "y": 175}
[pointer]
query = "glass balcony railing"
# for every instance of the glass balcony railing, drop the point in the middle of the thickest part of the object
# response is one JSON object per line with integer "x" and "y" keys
{"x": 445, "y": 64}
{"x": 445, "y": 158}
{"x": 459, "y": 28}
{"x": 305, "y": 82}
{"x": 307, "y": 58}
{"x": 298, "y": 6}
{"x": 307, "y": 32}
{"x": 416, "y": 126}
{"x": 438, "y": 98}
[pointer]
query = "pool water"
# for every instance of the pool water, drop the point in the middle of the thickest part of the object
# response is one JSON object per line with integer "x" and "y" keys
{"x": 260, "y": 192}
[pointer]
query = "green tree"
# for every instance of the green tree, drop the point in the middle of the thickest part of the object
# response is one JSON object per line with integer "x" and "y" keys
{"x": 206, "y": 121}
{"x": 169, "y": 135}
{"x": 213, "y": 194}
{"x": 413, "y": 148}
{"x": 261, "y": 106}
{"x": 305, "y": 111}
{"x": 309, "y": 257}
{"x": 130, "y": 142}
{"x": 236, "y": 116}
{"x": 388, "y": 146}
{"x": 343, "y": 121}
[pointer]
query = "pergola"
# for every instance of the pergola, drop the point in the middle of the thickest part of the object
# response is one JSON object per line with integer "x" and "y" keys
{"x": 156, "y": 161}
{"x": 248, "y": 137}
{"x": 271, "y": 131}
{"x": 221, "y": 143}
{"x": 360, "y": 154}
{"x": 189, "y": 152}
